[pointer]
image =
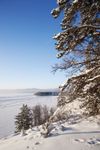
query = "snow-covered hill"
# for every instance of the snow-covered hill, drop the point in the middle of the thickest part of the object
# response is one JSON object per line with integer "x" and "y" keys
{"x": 74, "y": 133}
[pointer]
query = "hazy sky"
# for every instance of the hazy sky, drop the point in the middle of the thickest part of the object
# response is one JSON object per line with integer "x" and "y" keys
{"x": 26, "y": 46}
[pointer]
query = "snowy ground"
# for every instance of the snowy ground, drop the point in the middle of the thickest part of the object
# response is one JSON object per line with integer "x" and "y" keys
{"x": 65, "y": 136}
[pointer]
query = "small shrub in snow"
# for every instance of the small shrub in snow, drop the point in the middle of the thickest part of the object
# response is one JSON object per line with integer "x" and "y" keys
{"x": 46, "y": 129}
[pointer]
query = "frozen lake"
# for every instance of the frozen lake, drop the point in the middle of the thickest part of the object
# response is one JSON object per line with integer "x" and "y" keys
{"x": 10, "y": 103}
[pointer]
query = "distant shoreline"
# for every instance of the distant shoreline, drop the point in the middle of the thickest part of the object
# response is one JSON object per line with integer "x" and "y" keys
{"x": 46, "y": 93}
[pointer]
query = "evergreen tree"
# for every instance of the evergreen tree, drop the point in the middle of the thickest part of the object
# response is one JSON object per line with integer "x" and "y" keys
{"x": 23, "y": 119}
{"x": 79, "y": 42}
{"x": 78, "y": 46}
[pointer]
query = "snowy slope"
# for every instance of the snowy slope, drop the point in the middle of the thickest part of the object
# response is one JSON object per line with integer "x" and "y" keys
{"x": 81, "y": 136}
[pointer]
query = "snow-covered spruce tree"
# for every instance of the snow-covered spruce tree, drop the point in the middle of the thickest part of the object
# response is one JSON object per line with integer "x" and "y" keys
{"x": 78, "y": 46}
{"x": 23, "y": 119}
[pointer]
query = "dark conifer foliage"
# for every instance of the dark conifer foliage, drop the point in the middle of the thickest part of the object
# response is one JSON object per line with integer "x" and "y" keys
{"x": 79, "y": 42}
{"x": 23, "y": 119}
{"x": 78, "y": 47}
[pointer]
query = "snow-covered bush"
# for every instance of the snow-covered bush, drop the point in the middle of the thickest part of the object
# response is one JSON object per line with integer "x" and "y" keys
{"x": 46, "y": 129}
